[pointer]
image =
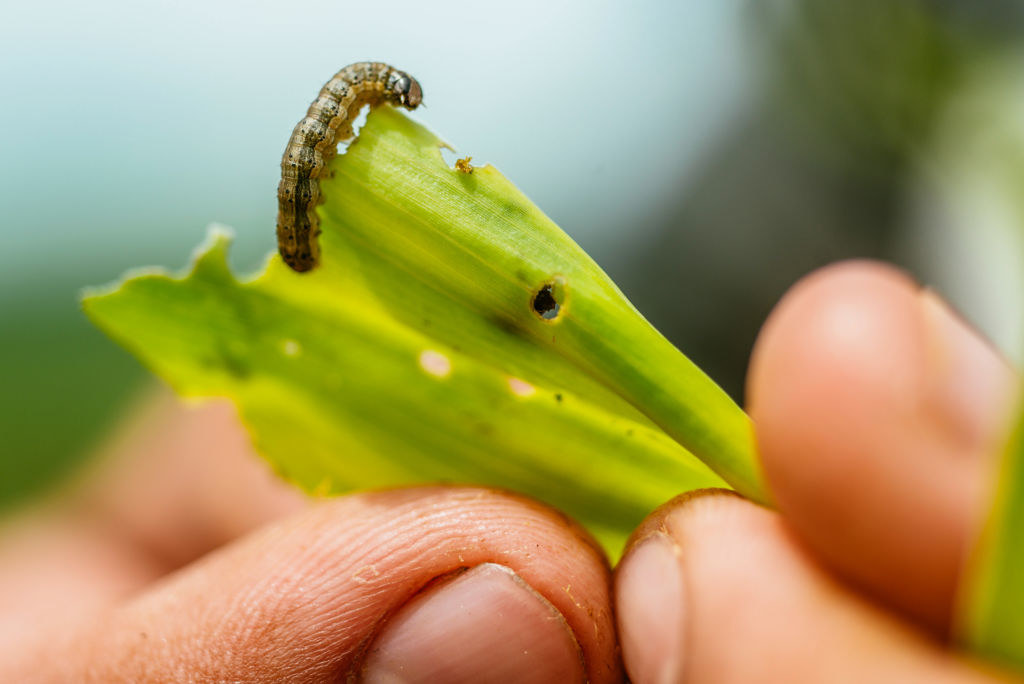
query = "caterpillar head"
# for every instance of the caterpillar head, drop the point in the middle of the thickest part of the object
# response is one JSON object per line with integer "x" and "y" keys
{"x": 408, "y": 92}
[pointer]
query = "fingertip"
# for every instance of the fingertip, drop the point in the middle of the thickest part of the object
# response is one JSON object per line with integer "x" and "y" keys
{"x": 856, "y": 390}
{"x": 651, "y": 604}
{"x": 728, "y": 595}
{"x": 838, "y": 342}
{"x": 306, "y": 596}
{"x": 651, "y": 593}
{"x": 831, "y": 326}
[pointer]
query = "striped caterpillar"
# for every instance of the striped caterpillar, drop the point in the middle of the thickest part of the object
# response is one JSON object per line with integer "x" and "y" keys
{"x": 315, "y": 140}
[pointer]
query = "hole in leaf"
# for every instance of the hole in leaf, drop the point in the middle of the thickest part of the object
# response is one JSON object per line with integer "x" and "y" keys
{"x": 449, "y": 155}
{"x": 544, "y": 303}
{"x": 345, "y": 142}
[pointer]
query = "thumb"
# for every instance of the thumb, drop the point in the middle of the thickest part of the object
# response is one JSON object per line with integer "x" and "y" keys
{"x": 878, "y": 414}
{"x": 450, "y": 584}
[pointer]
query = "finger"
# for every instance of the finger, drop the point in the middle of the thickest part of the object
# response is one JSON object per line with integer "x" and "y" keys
{"x": 877, "y": 413}
{"x": 178, "y": 480}
{"x": 308, "y": 597}
{"x": 716, "y": 589}
{"x": 56, "y": 572}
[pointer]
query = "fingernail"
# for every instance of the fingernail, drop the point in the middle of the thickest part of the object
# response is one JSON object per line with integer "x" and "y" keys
{"x": 651, "y": 606}
{"x": 485, "y": 625}
{"x": 972, "y": 385}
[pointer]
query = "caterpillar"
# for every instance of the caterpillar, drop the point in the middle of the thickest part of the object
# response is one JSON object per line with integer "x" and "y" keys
{"x": 315, "y": 140}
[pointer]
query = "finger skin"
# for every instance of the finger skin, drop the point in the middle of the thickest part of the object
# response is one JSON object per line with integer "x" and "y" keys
{"x": 303, "y": 599}
{"x": 179, "y": 479}
{"x": 172, "y": 483}
{"x": 758, "y": 608}
{"x": 877, "y": 433}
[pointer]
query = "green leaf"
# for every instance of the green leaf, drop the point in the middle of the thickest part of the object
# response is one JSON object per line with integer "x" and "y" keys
{"x": 992, "y": 616}
{"x": 414, "y": 351}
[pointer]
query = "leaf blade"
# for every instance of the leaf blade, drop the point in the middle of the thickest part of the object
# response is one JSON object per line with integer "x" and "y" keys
{"x": 328, "y": 370}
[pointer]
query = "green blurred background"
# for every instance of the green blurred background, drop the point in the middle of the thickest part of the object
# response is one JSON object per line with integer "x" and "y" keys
{"x": 706, "y": 153}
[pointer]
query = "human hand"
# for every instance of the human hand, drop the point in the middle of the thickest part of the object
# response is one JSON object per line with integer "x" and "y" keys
{"x": 184, "y": 559}
{"x": 879, "y": 415}
{"x": 878, "y": 475}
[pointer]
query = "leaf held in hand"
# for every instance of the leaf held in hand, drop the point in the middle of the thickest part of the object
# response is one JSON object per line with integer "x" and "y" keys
{"x": 451, "y": 333}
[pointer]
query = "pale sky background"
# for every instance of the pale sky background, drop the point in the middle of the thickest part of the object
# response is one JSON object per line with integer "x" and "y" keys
{"x": 127, "y": 127}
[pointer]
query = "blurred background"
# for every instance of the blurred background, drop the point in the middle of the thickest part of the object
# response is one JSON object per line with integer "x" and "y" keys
{"x": 706, "y": 153}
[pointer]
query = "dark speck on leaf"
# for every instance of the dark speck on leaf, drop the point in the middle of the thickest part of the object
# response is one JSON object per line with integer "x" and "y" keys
{"x": 544, "y": 303}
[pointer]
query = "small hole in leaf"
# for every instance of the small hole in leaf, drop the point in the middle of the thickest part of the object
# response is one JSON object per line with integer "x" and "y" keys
{"x": 449, "y": 155}
{"x": 357, "y": 123}
{"x": 545, "y": 305}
